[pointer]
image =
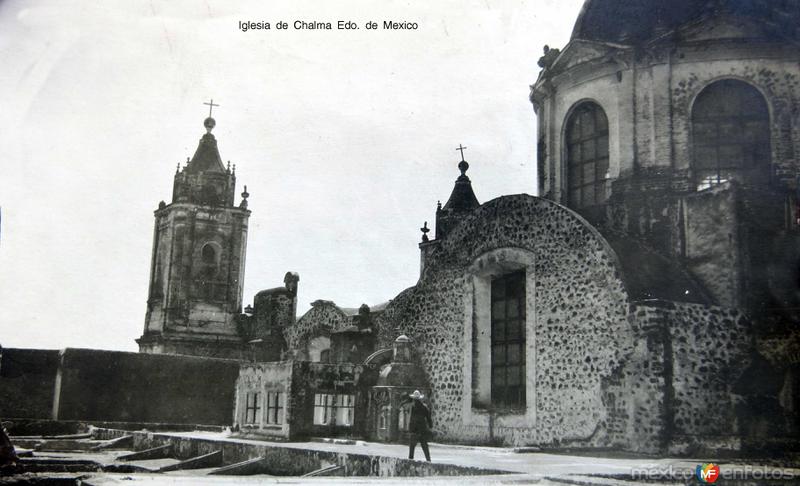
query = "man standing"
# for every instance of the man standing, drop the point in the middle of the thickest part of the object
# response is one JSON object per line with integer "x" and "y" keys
{"x": 419, "y": 425}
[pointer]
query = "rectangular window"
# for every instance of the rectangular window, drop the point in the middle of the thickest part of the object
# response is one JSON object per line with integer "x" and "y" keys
{"x": 383, "y": 418}
{"x": 252, "y": 408}
{"x": 345, "y": 405}
{"x": 403, "y": 416}
{"x": 275, "y": 408}
{"x": 508, "y": 340}
{"x": 323, "y": 408}
{"x": 334, "y": 409}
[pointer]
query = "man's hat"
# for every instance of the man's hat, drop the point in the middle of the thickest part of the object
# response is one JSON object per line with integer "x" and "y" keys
{"x": 417, "y": 395}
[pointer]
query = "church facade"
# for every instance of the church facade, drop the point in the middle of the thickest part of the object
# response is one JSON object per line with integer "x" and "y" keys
{"x": 646, "y": 301}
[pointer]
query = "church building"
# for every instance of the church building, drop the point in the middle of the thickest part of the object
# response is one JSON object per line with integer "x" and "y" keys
{"x": 646, "y": 300}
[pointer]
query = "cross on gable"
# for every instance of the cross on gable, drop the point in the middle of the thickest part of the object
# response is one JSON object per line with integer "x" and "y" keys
{"x": 462, "y": 151}
{"x": 211, "y": 106}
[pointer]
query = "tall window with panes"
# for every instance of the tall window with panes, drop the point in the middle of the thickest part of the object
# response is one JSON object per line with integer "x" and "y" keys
{"x": 252, "y": 408}
{"x": 587, "y": 156}
{"x": 508, "y": 341}
{"x": 730, "y": 135}
{"x": 345, "y": 405}
{"x": 323, "y": 408}
{"x": 275, "y": 408}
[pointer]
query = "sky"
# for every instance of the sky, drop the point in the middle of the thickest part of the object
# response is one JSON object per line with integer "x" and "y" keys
{"x": 345, "y": 139}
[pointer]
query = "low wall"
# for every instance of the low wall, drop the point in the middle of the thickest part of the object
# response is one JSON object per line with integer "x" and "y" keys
{"x": 113, "y": 386}
{"x": 27, "y": 381}
{"x": 288, "y": 461}
{"x": 44, "y": 427}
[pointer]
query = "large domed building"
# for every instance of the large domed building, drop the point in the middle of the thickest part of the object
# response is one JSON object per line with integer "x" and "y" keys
{"x": 677, "y": 124}
{"x": 674, "y": 128}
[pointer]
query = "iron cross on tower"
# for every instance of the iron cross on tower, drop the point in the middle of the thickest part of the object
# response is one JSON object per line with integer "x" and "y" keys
{"x": 211, "y": 106}
{"x": 462, "y": 149}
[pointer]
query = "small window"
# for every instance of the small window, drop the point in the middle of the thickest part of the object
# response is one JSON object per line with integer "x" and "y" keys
{"x": 325, "y": 356}
{"x": 383, "y": 418}
{"x": 403, "y": 415}
{"x": 275, "y": 408}
{"x": 252, "y": 408}
{"x": 208, "y": 254}
{"x": 210, "y": 195}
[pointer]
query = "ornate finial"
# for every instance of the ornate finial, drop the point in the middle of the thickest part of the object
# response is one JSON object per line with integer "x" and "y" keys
{"x": 245, "y": 195}
{"x": 178, "y": 168}
{"x": 463, "y": 166}
{"x": 234, "y": 169}
{"x": 425, "y": 231}
{"x": 438, "y": 205}
{"x": 229, "y": 166}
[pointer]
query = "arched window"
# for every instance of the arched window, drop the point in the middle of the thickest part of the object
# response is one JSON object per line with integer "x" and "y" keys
{"x": 587, "y": 156}
{"x": 318, "y": 349}
{"x": 325, "y": 356}
{"x": 208, "y": 254}
{"x": 730, "y": 135}
{"x": 403, "y": 416}
{"x": 206, "y": 273}
{"x": 210, "y": 195}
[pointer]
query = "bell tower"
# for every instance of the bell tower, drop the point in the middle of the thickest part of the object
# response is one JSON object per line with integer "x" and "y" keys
{"x": 197, "y": 264}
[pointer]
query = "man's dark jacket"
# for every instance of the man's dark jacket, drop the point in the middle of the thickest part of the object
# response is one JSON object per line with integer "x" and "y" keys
{"x": 420, "y": 422}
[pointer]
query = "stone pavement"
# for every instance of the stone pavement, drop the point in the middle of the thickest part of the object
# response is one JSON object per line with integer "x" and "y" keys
{"x": 535, "y": 466}
{"x": 525, "y": 468}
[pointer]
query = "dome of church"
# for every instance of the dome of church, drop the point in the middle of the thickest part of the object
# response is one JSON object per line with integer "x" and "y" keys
{"x": 635, "y": 21}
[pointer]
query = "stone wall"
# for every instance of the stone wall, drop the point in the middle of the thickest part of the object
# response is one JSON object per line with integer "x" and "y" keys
{"x": 282, "y": 460}
{"x": 578, "y": 332}
{"x": 711, "y": 349}
{"x": 135, "y": 387}
{"x": 27, "y": 382}
{"x": 323, "y": 318}
{"x": 636, "y": 394}
{"x": 680, "y": 390}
